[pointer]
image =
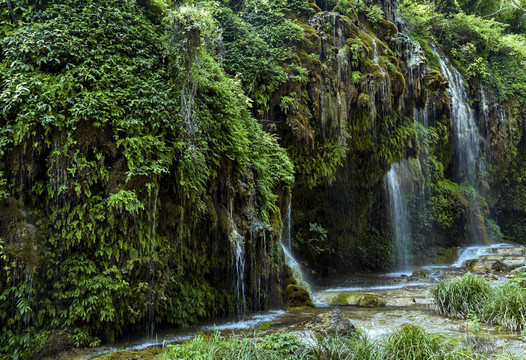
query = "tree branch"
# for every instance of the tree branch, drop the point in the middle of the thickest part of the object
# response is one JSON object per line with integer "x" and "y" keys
{"x": 498, "y": 11}
{"x": 517, "y": 5}
{"x": 10, "y": 8}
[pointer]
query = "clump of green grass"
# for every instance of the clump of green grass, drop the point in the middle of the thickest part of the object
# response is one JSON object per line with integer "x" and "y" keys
{"x": 275, "y": 346}
{"x": 354, "y": 347}
{"x": 461, "y": 296}
{"x": 410, "y": 342}
{"x": 506, "y": 307}
{"x": 469, "y": 295}
{"x": 413, "y": 342}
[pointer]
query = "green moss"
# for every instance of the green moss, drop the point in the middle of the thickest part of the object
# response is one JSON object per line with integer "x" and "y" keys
{"x": 150, "y": 353}
{"x": 369, "y": 301}
{"x": 397, "y": 85}
{"x": 341, "y": 299}
{"x": 267, "y": 325}
{"x": 296, "y": 296}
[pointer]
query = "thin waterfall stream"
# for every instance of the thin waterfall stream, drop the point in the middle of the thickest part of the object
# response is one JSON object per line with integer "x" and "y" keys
{"x": 469, "y": 164}
{"x": 400, "y": 225}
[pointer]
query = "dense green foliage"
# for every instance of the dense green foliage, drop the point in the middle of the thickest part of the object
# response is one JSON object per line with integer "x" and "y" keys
{"x": 123, "y": 144}
{"x": 143, "y": 141}
{"x": 471, "y": 296}
{"x": 486, "y": 41}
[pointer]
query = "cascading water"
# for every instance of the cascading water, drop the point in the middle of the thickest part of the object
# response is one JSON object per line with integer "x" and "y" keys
{"x": 286, "y": 245}
{"x": 407, "y": 178}
{"x": 399, "y": 219}
{"x": 468, "y": 166}
{"x": 151, "y": 310}
{"x": 259, "y": 268}
{"x": 382, "y": 90}
{"x": 237, "y": 246}
{"x": 239, "y": 267}
{"x": 465, "y": 132}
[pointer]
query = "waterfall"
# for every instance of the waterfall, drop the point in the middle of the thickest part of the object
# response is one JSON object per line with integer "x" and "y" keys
{"x": 151, "y": 309}
{"x": 399, "y": 219}
{"x": 465, "y": 132}
{"x": 484, "y": 108}
{"x": 468, "y": 164}
{"x": 259, "y": 267}
{"x": 286, "y": 245}
{"x": 383, "y": 91}
{"x": 238, "y": 248}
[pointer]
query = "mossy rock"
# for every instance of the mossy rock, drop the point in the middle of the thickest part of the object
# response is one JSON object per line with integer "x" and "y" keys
{"x": 444, "y": 256}
{"x": 288, "y": 275}
{"x": 499, "y": 266}
{"x": 357, "y": 299}
{"x": 397, "y": 85}
{"x": 387, "y": 30}
{"x": 420, "y": 273}
{"x": 266, "y": 325}
{"x": 370, "y": 301}
{"x": 341, "y": 299}
{"x": 148, "y": 354}
{"x": 297, "y": 296}
{"x": 57, "y": 342}
{"x": 363, "y": 101}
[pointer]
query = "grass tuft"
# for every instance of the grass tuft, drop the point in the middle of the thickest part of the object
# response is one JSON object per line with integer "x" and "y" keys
{"x": 458, "y": 297}
{"x": 469, "y": 295}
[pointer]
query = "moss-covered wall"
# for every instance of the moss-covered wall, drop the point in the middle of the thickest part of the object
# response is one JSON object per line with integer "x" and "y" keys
{"x": 136, "y": 189}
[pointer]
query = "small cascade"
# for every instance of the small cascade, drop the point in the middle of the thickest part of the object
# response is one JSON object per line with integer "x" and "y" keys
{"x": 399, "y": 219}
{"x": 416, "y": 71}
{"x": 335, "y": 99}
{"x": 477, "y": 252}
{"x": 237, "y": 249}
{"x": 260, "y": 267}
{"x": 286, "y": 245}
{"x": 151, "y": 309}
{"x": 484, "y": 107}
{"x": 506, "y": 123}
{"x": 238, "y": 257}
{"x": 468, "y": 165}
{"x": 382, "y": 90}
{"x": 465, "y": 131}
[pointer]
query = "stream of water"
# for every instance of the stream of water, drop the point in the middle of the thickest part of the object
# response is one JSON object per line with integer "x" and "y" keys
{"x": 399, "y": 215}
{"x": 405, "y": 300}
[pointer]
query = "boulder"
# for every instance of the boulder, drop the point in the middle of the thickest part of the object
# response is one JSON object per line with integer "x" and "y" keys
{"x": 330, "y": 323}
{"x": 297, "y": 297}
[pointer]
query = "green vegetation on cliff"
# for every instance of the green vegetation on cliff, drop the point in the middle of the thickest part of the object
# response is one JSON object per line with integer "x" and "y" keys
{"x": 487, "y": 42}
{"x": 129, "y": 159}
{"x": 149, "y": 149}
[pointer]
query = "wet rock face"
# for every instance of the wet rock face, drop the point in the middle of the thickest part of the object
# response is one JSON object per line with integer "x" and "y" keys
{"x": 502, "y": 260}
{"x": 414, "y": 64}
{"x": 331, "y": 323}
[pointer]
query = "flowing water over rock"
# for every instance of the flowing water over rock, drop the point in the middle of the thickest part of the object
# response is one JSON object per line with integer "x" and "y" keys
{"x": 238, "y": 253}
{"x": 378, "y": 303}
{"x": 401, "y": 228}
{"x": 465, "y": 131}
{"x": 469, "y": 166}
{"x": 297, "y": 269}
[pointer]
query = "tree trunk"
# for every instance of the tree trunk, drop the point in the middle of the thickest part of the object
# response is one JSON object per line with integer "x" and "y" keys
{"x": 10, "y": 8}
